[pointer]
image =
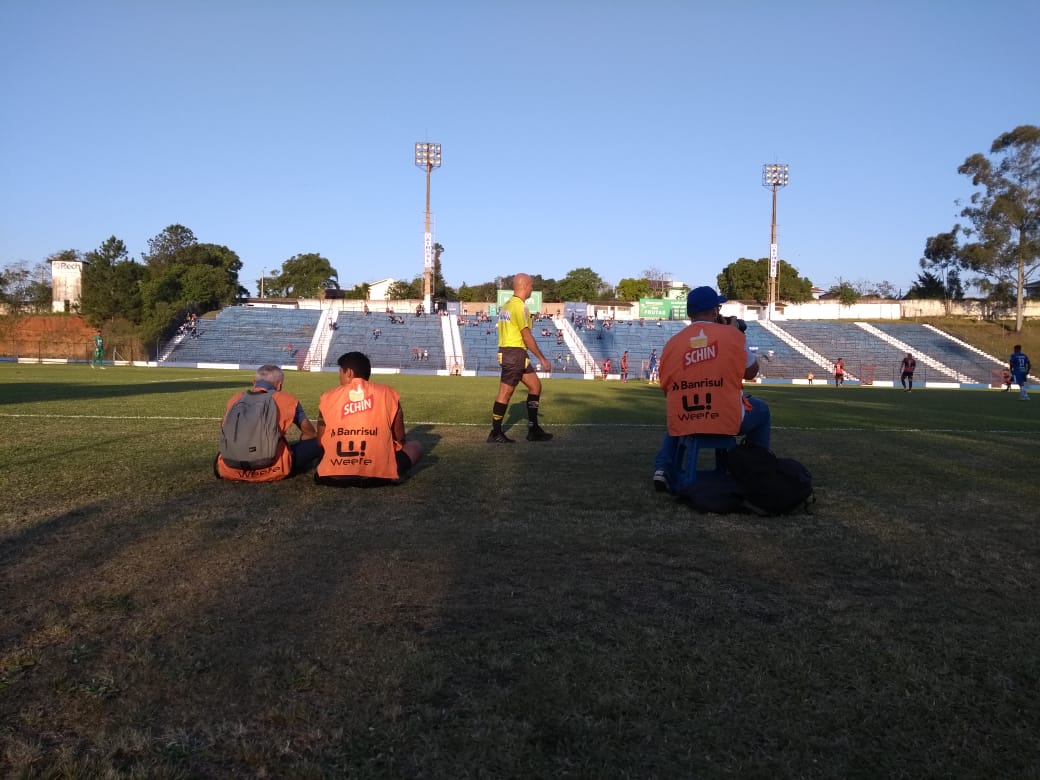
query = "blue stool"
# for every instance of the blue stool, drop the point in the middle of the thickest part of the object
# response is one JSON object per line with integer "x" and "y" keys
{"x": 684, "y": 472}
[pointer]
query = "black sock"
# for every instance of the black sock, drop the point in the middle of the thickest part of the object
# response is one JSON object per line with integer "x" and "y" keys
{"x": 498, "y": 411}
{"x": 532, "y": 410}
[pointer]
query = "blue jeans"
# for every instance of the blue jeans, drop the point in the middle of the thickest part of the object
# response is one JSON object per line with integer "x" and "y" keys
{"x": 755, "y": 427}
{"x": 305, "y": 454}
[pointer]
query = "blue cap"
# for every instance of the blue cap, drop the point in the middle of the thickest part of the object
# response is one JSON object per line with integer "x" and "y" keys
{"x": 703, "y": 299}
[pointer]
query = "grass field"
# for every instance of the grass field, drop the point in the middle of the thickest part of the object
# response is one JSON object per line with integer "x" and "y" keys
{"x": 525, "y": 611}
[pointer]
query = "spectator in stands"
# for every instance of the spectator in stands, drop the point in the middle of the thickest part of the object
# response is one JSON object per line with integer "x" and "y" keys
{"x": 361, "y": 428}
{"x": 515, "y": 340}
{"x": 1020, "y": 367}
{"x": 703, "y": 368}
{"x": 906, "y": 376}
{"x": 365, "y": 310}
{"x": 292, "y": 458}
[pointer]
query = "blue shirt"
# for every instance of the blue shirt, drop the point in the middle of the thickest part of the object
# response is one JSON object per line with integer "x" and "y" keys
{"x": 1019, "y": 363}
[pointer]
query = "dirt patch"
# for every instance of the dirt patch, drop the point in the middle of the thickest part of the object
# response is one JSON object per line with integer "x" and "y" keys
{"x": 46, "y": 336}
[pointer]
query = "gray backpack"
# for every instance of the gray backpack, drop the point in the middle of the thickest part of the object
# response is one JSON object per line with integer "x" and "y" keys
{"x": 249, "y": 436}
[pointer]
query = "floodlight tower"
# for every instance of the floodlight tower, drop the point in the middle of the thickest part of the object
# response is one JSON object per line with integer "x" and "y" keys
{"x": 428, "y": 156}
{"x": 774, "y": 176}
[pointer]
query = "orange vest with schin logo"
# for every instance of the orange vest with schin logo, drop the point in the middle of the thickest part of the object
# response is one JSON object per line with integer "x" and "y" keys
{"x": 702, "y": 374}
{"x": 358, "y": 440}
{"x": 281, "y": 468}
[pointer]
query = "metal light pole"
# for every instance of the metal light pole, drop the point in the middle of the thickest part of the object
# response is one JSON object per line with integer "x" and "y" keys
{"x": 263, "y": 272}
{"x": 427, "y": 156}
{"x": 774, "y": 176}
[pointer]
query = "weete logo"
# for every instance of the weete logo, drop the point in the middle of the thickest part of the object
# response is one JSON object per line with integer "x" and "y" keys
{"x": 697, "y": 409}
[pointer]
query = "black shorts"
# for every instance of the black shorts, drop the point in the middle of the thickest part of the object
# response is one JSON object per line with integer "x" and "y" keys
{"x": 515, "y": 363}
{"x": 404, "y": 465}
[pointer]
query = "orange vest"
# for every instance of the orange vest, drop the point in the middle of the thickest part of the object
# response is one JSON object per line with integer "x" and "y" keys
{"x": 280, "y": 469}
{"x": 358, "y": 440}
{"x": 702, "y": 375}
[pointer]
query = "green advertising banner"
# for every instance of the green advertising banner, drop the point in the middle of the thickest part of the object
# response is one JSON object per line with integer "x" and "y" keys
{"x": 534, "y": 303}
{"x": 655, "y": 308}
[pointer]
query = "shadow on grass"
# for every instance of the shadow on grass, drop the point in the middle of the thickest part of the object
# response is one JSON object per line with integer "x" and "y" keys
{"x": 16, "y": 393}
{"x": 460, "y": 624}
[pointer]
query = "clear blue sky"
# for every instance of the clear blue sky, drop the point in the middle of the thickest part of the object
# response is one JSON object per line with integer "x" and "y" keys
{"x": 613, "y": 135}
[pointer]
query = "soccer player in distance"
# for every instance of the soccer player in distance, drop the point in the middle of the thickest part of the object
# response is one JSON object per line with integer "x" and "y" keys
{"x": 515, "y": 340}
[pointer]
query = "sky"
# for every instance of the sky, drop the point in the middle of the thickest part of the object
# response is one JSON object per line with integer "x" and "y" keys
{"x": 616, "y": 135}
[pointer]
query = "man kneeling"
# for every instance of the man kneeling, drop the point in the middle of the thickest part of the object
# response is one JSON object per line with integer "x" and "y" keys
{"x": 361, "y": 429}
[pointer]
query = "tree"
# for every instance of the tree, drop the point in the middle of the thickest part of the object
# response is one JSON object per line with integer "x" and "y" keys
{"x": 930, "y": 286}
{"x": 440, "y": 287}
{"x": 845, "y": 292}
{"x": 400, "y": 290}
{"x": 748, "y": 280}
{"x": 660, "y": 281}
{"x": 111, "y": 284}
{"x": 941, "y": 257}
{"x": 359, "y": 292}
{"x": 29, "y": 290}
{"x": 550, "y": 288}
{"x": 633, "y": 289}
{"x": 165, "y": 248}
{"x": 1003, "y": 240}
{"x": 184, "y": 275}
{"x": 302, "y": 276}
{"x": 581, "y": 284}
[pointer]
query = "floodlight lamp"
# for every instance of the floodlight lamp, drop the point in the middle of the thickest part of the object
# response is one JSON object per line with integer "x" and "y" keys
{"x": 774, "y": 175}
{"x": 427, "y": 155}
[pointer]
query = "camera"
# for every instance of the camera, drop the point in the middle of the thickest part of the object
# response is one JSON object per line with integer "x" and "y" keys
{"x": 741, "y": 325}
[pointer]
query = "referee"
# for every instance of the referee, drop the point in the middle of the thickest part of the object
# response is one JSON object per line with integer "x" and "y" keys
{"x": 514, "y": 342}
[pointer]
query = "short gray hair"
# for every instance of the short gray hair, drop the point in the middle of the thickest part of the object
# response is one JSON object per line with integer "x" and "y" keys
{"x": 270, "y": 374}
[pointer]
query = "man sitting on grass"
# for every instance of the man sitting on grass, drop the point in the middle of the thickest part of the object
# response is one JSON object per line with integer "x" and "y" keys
{"x": 361, "y": 429}
{"x": 290, "y": 459}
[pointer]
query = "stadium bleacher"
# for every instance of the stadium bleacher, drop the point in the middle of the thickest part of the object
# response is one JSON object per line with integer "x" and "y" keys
{"x": 252, "y": 335}
{"x": 969, "y": 365}
{"x": 398, "y": 344}
{"x": 861, "y": 351}
{"x": 249, "y": 335}
{"x": 776, "y": 359}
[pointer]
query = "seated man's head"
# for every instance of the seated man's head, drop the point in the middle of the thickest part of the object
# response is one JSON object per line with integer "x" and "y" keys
{"x": 357, "y": 363}
{"x": 270, "y": 374}
{"x": 703, "y": 303}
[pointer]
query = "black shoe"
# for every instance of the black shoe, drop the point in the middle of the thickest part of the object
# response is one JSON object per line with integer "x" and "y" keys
{"x": 534, "y": 433}
{"x": 660, "y": 481}
{"x": 497, "y": 437}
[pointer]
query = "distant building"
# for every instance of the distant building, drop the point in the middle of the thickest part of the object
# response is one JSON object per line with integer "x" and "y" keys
{"x": 66, "y": 284}
{"x": 377, "y": 290}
